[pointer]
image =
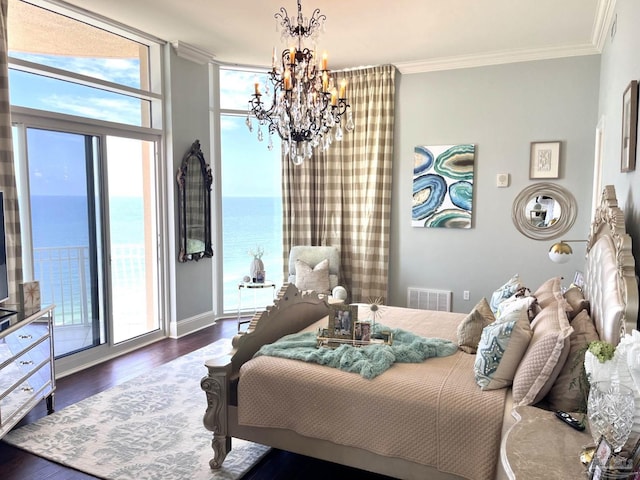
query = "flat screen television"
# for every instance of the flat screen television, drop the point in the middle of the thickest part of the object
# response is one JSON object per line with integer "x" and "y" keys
{"x": 4, "y": 278}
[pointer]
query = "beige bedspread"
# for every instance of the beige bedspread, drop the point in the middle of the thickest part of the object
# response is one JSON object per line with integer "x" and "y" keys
{"x": 431, "y": 413}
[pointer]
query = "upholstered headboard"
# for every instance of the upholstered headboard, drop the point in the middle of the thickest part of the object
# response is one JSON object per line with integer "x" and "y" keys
{"x": 611, "y": 285}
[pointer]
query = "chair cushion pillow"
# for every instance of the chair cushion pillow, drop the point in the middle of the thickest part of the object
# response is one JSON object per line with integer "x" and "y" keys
{"x": 316, "y": 278}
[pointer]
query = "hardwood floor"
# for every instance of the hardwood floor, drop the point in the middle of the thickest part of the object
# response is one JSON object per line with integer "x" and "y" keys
{"x": 16, "y": 464}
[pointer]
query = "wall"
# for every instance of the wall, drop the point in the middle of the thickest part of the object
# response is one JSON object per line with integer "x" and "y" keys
{"x": 187, "y": 118}
{"x": 500, "y": 109}
{"x": 621, "y": 64}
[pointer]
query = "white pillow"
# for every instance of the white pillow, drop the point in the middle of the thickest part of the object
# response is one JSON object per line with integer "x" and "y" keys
{"x": 511, "y": 308}
{"x": 316, "y": 278}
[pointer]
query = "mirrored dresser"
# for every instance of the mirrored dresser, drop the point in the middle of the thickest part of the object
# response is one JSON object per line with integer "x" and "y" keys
{"x": 27, "y": 373}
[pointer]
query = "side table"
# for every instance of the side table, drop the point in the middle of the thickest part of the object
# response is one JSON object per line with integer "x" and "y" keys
{"x": 253, "y": 286}
{"x": 541, "y": 447}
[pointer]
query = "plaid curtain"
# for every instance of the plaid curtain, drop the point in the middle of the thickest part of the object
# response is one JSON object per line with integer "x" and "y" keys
{"x": 7, "y": 175}
{"x": 342, "y": 197}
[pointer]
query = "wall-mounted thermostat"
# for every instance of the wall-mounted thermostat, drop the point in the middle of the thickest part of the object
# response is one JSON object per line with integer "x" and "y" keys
{"x": 502, "y": 180}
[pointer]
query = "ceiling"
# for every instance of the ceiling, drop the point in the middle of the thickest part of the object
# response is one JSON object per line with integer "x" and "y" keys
{"x": 414, "y": 35}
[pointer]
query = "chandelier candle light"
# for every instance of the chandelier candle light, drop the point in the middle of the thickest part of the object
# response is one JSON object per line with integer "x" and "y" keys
{"x": 306, "y": 107}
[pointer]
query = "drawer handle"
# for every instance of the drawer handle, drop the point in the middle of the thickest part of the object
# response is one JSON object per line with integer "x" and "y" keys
{"x": 26, "y": 362}
{"x": 25, "y": 337}
{"x": 27, "y": 389}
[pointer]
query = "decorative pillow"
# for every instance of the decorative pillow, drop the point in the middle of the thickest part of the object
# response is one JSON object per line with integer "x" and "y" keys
{"x": 565, "y": 393}
{"x": 316, "y": 278}
{"x": 511, "y": 308}
{"x": 549, "y": 291}
{"x": 470, "y": 329}
{"x": 545, "y": 356}
{"x": 499, "y": 352}
{"x": 504, "y": 292}
{"x": 576, "y": 301}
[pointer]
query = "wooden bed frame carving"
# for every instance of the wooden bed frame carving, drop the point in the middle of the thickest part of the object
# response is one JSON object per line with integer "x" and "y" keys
{"x": 292, "y": 311}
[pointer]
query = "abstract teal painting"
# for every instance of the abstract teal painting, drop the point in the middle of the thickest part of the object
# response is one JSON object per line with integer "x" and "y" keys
{"x": 443, "y": 186}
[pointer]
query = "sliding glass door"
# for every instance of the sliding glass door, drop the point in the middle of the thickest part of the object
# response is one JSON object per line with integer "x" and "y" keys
{"x": 132, "y": 237}
{"x": 91, "y": 227}
{"x": 64, "y": 237}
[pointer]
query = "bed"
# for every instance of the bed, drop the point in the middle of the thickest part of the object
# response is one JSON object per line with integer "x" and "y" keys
{"x": 416, "y": 420}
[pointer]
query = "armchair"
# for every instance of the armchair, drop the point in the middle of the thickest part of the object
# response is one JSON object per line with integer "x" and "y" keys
{"x": 308, "y": 270}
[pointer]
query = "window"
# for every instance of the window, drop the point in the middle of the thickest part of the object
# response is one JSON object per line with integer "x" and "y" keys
{"x": 88, "y": 179}
{"x": 251, "y": 194}
{"x": 64, "y": 65}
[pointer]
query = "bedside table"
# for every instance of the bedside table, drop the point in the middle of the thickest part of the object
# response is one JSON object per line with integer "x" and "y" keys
{"x": 253, "y": 286}
{"x": 541, "y": 447}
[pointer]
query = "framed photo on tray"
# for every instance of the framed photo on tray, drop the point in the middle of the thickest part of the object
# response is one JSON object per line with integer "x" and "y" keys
{"x": 342, "y": 319}
{"x": 362, "y": 332}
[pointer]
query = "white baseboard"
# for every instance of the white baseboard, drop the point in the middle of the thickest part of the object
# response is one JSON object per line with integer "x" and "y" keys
{"x": 189, "y": 325}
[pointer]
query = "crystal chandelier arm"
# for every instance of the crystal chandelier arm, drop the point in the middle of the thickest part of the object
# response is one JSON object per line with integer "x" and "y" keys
{"x": 299, "y": 29}
{"x": 340, "y": 109}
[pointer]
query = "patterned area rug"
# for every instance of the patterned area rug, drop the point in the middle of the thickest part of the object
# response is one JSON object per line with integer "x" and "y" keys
{"x": 149, "y": 427}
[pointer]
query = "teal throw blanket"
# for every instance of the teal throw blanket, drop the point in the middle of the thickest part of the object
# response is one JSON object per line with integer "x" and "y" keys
{"x": 370, "y": 360}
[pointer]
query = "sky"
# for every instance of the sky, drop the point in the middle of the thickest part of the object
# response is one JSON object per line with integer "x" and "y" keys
{"x": 249, "y": 168}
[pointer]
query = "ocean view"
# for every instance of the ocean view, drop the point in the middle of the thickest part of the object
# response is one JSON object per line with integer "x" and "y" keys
{"x": 249, "y": 222}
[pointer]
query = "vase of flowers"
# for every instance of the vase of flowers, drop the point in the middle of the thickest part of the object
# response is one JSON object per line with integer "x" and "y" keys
{"x": 256, "y": 269}
{"x": 598, "y": 361}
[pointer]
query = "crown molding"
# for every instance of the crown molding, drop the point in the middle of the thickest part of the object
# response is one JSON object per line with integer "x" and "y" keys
{"x": 601, "y": 26}
{"x": 602, "y": 22}
{"x": 194, "y": 54}
{"x": 497, "y": 58}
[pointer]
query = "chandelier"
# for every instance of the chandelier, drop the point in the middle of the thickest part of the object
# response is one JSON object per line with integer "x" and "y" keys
{"x": 305, "y": 106}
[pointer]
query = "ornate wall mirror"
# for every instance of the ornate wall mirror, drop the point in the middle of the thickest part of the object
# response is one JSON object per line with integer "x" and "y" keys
{"x": 194, "y": 184}
{"x": 543, "y": 211}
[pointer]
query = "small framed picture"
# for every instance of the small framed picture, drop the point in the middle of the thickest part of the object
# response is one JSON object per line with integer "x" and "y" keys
{"x": 342, "y": 319}
{"x": 600, "y": 459}
{"x": 629, "y": 127}
{"x": 29, "y": 297}
{"x": 362, "y": 331}
{"x": 578, "y": 279}
{"x": 544, "y": 161}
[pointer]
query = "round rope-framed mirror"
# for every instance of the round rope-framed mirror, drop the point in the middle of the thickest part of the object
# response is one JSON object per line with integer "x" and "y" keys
{"x": 543, "y": 211}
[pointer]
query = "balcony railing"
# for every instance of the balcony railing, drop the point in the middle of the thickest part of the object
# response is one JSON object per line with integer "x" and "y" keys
{"x": 64, "y": 275}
